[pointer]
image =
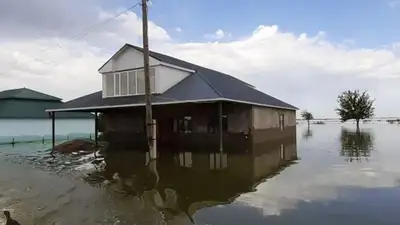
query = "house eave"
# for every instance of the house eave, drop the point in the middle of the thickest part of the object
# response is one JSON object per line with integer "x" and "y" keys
{"x": 176, "y": 67}
{"x": 94, "y": 108}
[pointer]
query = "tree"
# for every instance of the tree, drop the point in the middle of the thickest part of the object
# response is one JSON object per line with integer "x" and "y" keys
{"x": 307, "y": 116}
{"x": 355, "y": 105}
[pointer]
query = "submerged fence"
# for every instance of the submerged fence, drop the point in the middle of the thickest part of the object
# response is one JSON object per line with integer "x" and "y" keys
{"x": 4, "y": 140}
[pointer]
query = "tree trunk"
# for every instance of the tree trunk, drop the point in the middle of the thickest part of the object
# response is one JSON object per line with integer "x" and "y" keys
{"x": 358, "y": 124}
{"x": 308, "y": 122}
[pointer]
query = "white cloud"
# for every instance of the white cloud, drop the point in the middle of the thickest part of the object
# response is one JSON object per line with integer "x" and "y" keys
{"x": 219, "y": 34}
{"x": 305, "y": 70}
{"x": 178, "y": 29}
{"x": 394, "y": 3}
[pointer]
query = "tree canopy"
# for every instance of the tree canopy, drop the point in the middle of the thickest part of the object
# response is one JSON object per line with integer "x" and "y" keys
{"x": 307, "y": 116}
{"x": 355, "y": 105}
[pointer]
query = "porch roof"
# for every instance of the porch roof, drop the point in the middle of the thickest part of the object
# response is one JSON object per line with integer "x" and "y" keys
{"x": 204, "y": 85}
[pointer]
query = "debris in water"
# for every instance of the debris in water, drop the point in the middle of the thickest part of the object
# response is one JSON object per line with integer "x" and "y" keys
{"x": 10, "y": 221}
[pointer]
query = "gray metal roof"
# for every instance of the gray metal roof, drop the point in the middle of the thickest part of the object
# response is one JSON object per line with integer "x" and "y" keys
{"x": 25, "y": 93}
{"x": 34, "y": 109}
{"x": 204, "y": 84}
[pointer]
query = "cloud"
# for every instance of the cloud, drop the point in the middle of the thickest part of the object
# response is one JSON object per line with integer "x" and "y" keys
{"x": 178, "y": 29}
{"x": 303, "y": 69}
{"x": 219, "y": 34}
{"x": 394, "y": 3}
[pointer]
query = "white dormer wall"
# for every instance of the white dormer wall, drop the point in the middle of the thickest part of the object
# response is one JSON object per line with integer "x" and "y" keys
{"x": 123, "y": 74}
{"x": 167, "y": 77}
{"x": 127, "y": 59}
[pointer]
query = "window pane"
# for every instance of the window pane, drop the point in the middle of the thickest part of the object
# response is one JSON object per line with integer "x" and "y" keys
{"x": 117, "y": 89}
{"x": 124, "y": 83}
{"x": 140, "y": 81}
{"x": 109, "y": 85}
{"x": 153, "y": 79}
{"x": 132, "y": 83}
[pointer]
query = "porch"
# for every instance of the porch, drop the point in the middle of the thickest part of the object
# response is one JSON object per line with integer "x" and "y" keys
{"x": 197, "y": 126}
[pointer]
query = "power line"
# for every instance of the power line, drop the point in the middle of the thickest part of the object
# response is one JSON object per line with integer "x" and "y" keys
{"x": 82, "y": 34}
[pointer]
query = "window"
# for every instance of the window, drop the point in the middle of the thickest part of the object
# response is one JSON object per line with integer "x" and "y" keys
{"x": 124, "y": 83}
{"x": 281, "y": 121}
{"x": 117, "y": 84}
{"x": 152, "y": 79}
{"x": 109, "y": 85}
{"x": 140, "y": 81}
{"x": 184, "y": 125}
{"x": 128, "y": 83}
{"x": 132, "y": 82}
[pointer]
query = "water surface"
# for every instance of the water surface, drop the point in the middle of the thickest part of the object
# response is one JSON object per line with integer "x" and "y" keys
{"x": 330, "y": 175}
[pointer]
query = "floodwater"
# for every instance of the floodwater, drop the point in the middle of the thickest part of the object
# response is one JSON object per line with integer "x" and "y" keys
{"x": 329, "y": 175}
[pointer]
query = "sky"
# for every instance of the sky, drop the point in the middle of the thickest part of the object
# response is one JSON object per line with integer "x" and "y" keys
{"x": 304, "y": 52}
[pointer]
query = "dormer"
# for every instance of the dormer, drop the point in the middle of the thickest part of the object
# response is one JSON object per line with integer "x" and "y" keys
{"x": 123, "y": 74}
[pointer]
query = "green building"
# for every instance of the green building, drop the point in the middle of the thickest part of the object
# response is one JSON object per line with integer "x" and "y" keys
{"x": 24, "y": 103}
{"x": 23, "y": 112}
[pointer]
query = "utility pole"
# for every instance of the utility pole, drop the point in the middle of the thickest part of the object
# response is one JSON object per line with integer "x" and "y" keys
{"x": 150, "y": 124}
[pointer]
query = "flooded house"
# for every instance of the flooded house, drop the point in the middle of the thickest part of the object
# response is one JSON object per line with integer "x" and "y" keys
{"x": 193, "y": 106}
{"x": 23, "y": 112}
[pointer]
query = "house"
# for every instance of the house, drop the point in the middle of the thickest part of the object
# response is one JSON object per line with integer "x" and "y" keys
{"x": 23, "y": 112}
{"x": 193, "y": 106}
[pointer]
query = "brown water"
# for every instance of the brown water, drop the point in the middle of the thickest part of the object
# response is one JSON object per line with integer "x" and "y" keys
{"x": 330, "y": 175}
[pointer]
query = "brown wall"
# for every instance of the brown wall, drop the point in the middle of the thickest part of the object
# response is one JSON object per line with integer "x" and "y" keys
{"x": 265, "y": 118}
{"x": 132, "y": 119}
{"x": 266, "y": 124}
{"x": 128, "y": 125}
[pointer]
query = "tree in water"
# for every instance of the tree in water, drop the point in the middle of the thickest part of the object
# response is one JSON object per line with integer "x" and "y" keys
{"x": 307, "y": 134}
{"x": 355, "y": 105}
{"x": 307, "y": 116}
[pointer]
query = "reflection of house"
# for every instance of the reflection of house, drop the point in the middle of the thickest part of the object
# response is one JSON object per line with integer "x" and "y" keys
{"x": 190, "y": 181}
{"x": 191, "y": 104}
{"x": 23, "y": 103}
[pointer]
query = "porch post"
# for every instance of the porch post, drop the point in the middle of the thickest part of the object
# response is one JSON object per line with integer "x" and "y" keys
{"x": 221, "y": 147}
{"x": 53, "y": 129}
{"x": 153, "y": 150}
{"x": 96, "y": 127}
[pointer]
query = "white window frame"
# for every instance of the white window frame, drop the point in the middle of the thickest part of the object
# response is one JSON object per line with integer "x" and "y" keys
{"x": 282, "y": 121}
{"x": 105, "y": 94}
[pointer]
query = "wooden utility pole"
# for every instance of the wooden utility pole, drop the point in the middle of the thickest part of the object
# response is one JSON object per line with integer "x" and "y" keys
{"x": 149, "y": 114}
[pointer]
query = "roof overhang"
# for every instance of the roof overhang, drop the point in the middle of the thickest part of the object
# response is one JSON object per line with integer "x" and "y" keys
{"x": 94, "y": 108}
{"x": 177, "y": 67}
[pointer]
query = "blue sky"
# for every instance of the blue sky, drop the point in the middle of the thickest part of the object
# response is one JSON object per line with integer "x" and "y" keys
{"x": 276, "y": 45}
{"x": 369, "y": 23}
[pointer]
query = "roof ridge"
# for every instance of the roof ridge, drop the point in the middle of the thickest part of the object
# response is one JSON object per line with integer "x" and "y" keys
{"x": 18, "y": 91}
{"x": 209, "y": 84}
{"x": 192, "y": 64}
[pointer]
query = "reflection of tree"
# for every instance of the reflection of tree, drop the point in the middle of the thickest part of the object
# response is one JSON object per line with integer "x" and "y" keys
{"x": 356, "y": 145}
{"x": 307, "y": 133}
